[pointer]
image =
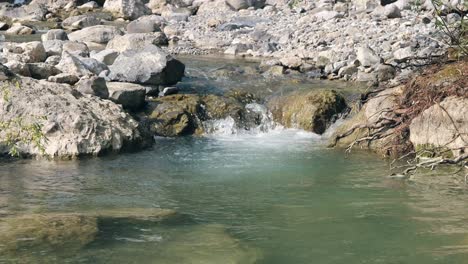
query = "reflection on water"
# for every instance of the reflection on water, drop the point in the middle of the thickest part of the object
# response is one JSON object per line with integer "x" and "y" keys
{"x": 279, "y": 197}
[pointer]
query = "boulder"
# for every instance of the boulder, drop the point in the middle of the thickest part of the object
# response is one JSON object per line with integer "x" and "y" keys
{"x": 244, "y": 4}
{"x": 128, "y": 9}
{"x": 313, "y": 111}
{"x": 403, "y": 54}
{"x": 76, "y": 48}
{"x": 88, "y": 6}
{"x": 106, "y": 56}
{"x": 53, "y": 47}
{"x": 81, "y": 21}
{"x": 131, "y": 96}
{"x": 93, "y": 85}
{"x": 19, "y": 68}
{"x": 150, "y": 65}
{"x": 94, "y": 65}
{"x": 42, "y": 70}
{"x": 443, "y": 126}
{"x": 74, "y": 125}
{"x": 20, "y": 30}
{"x": 367, "y": 56}
{"x": 392, "y": 11}
{"x": 28, "y": 52}
{"x": 137, "y": 41}
{"x": 176, "y": 14}
{"x": 63, "y": 78}
{"x": 55, "y": 34}
{"x": 72, "y": 64}
{"x": 146, "y": 24}
{"x": 98, "y": 34}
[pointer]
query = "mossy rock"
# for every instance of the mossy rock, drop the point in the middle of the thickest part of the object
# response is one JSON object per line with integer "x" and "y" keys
{"x": 309, "y": 110}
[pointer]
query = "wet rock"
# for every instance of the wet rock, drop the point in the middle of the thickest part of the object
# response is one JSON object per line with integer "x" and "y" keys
{"x": 143, "y": 214}
{"x": 74, "y": 125}
{"x": 97, "y": 34}
{"x": 137, "y": 41}
{"x": 168, "y": 91}
{"x": 312, "y": 111}
{"x": 92, "y": 85}
{"x": 442, "y": 126}
{"x": 131, "y": 96}
{"x": 46, "y": 232}
{"x": 81, "y": 21}
{"x": 55, "y": 34}
{"x": 128, "y": 9}
{"x": 150, "y": 65}
{"x": 64, "y": 78}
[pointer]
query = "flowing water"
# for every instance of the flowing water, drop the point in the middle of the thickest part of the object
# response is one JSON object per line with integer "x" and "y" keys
{"x": 271, "y": 197}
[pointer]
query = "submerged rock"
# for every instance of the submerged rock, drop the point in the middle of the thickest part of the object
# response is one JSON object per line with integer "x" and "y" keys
{"x": 312, "y": 111}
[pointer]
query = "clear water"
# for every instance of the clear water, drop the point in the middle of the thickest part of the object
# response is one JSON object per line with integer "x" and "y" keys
{"x": 281, "y": 196}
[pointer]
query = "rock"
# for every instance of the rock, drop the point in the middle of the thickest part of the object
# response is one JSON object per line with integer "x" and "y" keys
{"x": 4, "y": 26}
{"x": 42, "y": 232}
{"x": 365, "y": 5}
{"x": 137, "y": 41}
{"x": 208, "y": 244}
{"x": 326, "y": 15}
{"x": 347, "y": 70}
{"x": 55, "y": 34}
{"x": 291, "y": 62}
{"x": 94, "y": 65}
{"x": 176, "y": 14}
{"x": 371, "y": 112}
{"x": 369, "y": 77}
{"x": 367, "y": 57}
{"x": 64, "y": 78}
{"x": 244, "y": 4}
{"x": 142, "y": 26}
{"x": 81, "y": 21}
{"x": 142, "y": 214}
{"x": 76, "y": 48}
{"x": 312, "y": 111}
{"x": 442, "y": 126}
{"x": 169, "y": 91}
{"x": 18, "y": 68}
{"x": 150, "y": 65}
{"x": 403, "y": 54}
{"x": 20, "y": 30}
{"x": 128, "y": 9}
{"x": 42, "y": 70}
{"x": 53, "y": 60}
{"x": 392, "y": 11}
{"x": 5, "y": 73}
{"x": 28, "y": 52}
{"x": 53, "y": 47}
{"x": 98, "y": 34}
{"x": 89, "y": 6}
{"x": 130, "y": 96}
{"x": 385, "y": 72}
{"x": 106, "y": 56}
{"x": 71, "y": 64}
{"x": 74, "y": 125}
{"x": 93, "y": 85}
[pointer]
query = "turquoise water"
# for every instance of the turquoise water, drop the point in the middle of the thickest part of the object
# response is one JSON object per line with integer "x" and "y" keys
{"x": 280, "y": 197}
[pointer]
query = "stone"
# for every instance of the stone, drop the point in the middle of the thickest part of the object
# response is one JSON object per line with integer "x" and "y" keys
{"x": 150, "y": 65}
{"x": 326, "y": 15}
{"x": 365, "y": 5}
{"x": 5, "y": 73}
{"x": 93, "y": 85}
{"x": 98, "y": 34}
{"x": 142, "y": 26}
{"x": 385, "y": 72}
{"x": 106, "y": 56}
{"x": 53, "y": 60}
{"x": 71, "y": 64}
{"x": 4, "y": 26}
{"x": 89, "y": 6}
{"x": 53, "y": 47}
{"x": 55, "y": 34}
{"x": 17, "y": 67}
{"x": 169, "y": 91}
{"x": 176, "y": 14}
{"x": 63, "y": 78}
{"x": 443, "y": 126}
{"x": 392, "y": 11}
{"x": 131, "y": 96}
{"x": 367, "y": 57}
{"x": 28, "y": 52}
{"x": 137, "y": 41}
{"x": 81, "y": 21}
{"x": 20, "y": 30}
{"x": 94, "y": 65}
{"x": 244, "y": 4}
{"x": 74, "y": 125}
{"x": 291, "y": 62}
{"x": 76, "y": 48}
{"x": 403, "y": 54}
{"x": 312, "y": 111}
{"x": 42, "y": 70}
{"x": 128, "y": 9}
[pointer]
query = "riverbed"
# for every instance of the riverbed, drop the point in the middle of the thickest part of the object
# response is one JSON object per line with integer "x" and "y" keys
{"x": 269, "y": 197}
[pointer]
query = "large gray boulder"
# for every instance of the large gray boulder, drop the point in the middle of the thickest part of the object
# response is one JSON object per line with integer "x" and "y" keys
{"x": 93, "y": 85}
{"x": 128, "y": 9}
{"x": 443, "y": 126}
{"x": 81, "y": 21}
{"x": 72, "y": 64}
{"x": 150, "y": 65}
{"x": 73, "y": 125}
{"x": 146, "y": 24}
{"x": 28, "y": 52}
{"x": 98, "y": 34}
{"x": 137, "y": 41}
{"x": 20, "y": 30}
